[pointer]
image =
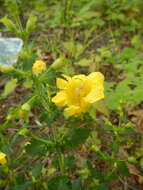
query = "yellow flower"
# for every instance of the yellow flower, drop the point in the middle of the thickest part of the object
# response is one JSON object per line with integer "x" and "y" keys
{"x": 38, "y": 67}
{"x": 77, "y": 93}
{"x": 2, "y": 158}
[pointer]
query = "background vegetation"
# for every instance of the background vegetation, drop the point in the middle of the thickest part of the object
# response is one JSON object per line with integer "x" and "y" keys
{"x": 102, "y": 149}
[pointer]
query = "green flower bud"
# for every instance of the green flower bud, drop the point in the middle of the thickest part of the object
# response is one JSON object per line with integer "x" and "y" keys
{"x": 9, "y": 117}
{"x": 51, "y": 171}
{"x": 132, "y": 159}
{"x": 6, "y": 69}
{"x": 59, "y": 63}
{"x": 95, "y": 182}
{"x": 95, "y": 148}
{"x": 24, "y": 132}
{"x": 84, "y": 173}
{"x": 25, "y": 107}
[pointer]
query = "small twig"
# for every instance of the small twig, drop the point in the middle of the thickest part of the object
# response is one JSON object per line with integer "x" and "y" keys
{"x": 126, "y": 185}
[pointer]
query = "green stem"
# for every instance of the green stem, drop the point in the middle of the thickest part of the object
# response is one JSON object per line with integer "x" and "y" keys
{"x": 41, "y": 140}
{"x": 65, "y": 12}
{"x": 53, "y": 129}
{"x": 59, "y": 153}
{"x": 17, "y": 18}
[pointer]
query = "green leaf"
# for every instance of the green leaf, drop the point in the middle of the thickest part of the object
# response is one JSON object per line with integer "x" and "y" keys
{"x": 101, "y": 107}
{"x": 36, "y": 148}
{"x": 30, "y": 24}
{"x": 36, "y": 171}
{"x": 70, "y": 47}
{"x": 9, "y": 25}
{"x": 82, "y": 163}
{"x": 9, "y": 87}
{"x": 76, "y": 184}
{"x": 24, "y": 186}
{"x": 102, "y": 186}
{"x": 77, "y": 137}
{"x": 84, "y": 62}
{"x": 58, "y": 183}
{"x": 115, "y": 147}
{"x": 63, "y": 186}
{"x": 28, "y": 83}
{"x": 75, "y": 49}
{"x": 136, "y": 41}
{"x": 79, "y": 50}
{"x": 121, "y": 166}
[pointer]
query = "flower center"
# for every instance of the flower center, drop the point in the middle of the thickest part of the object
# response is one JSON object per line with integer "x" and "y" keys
{"x": 79, "y": 89}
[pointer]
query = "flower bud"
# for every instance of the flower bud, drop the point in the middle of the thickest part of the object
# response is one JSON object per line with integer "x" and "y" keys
{"x": 84, "y": 173}
{"x": 38, "y": 67}
{"x": 59, "y": 63}
{"x": 132, "y": 159}
{"x": 6, "y": 68}
{"x": 24, "y": 132}
{"x": 26, "y": 107}
{"x": 95, "y": 148}
{"x": 51, "y": 171}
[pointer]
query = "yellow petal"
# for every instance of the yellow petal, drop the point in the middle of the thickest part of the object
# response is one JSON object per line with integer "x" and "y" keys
{"x": 72, "y": 110}
{"x": 2, "y": 158}
{"x": 96, "y": 78}
{"x": 60, "y": 99}
{"x": 61, "y": 83}
{"x": 95, "y": 95}
{"x": 38, "y": 67}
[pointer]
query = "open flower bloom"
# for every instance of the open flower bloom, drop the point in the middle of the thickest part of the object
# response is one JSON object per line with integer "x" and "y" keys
{"x": 77, "y": 93}
{"x": 2, "y": 158}
{"x": 38, "y": 67}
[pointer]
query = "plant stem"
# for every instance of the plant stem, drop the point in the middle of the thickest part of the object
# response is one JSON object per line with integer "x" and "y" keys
{"x": 53, "y": 131}
{"x": 65, "y": 12}
{"x": 59, "y": 153}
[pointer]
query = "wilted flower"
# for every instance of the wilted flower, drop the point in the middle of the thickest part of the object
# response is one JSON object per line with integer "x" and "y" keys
{"x": 3, "y": 159}
{"x": 38, "y": 67}
{"x": 77, "y": 93}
